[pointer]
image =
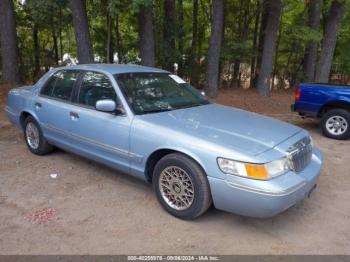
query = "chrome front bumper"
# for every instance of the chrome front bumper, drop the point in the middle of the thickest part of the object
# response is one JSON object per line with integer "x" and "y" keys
{"x": 266, "y": 198}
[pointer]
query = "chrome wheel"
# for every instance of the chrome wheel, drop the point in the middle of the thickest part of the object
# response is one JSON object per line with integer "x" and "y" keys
{"x": 176, "y": 188}
{"x": 32, "y": 135}
{"x": 337, "y": 125}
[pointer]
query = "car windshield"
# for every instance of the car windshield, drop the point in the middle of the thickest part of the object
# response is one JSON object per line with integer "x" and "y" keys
{"x": 158, "y": 92}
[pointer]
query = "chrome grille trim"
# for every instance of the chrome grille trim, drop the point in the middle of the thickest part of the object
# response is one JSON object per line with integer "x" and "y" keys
{"x": 300, "y": 154}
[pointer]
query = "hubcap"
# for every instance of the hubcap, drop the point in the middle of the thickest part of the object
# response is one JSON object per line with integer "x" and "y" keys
{"x": 176, "y": 188}
{"x": 337, "y": 125}
{"x": 32, "y": 135}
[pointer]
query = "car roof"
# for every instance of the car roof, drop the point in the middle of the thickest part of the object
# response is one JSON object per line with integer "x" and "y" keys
{"x": 115, "y": 68}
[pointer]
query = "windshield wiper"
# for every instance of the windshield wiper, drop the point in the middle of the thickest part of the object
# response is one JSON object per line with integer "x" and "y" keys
{"x": 156, "y": 110}
{"x": 190, "y": 105}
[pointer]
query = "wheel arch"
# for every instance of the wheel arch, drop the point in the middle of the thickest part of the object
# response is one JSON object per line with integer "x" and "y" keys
{"x": 333, "y": 105}
{"x": 158, "y": 154}
{"x": 23, "y": 116}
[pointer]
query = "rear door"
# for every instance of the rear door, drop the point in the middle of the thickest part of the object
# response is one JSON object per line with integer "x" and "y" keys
{"x": 52, "y": 106}
{"x": 99, "y": 135}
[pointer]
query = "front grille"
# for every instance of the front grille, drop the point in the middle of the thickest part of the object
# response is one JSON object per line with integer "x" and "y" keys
{"x": 300, "y": 154}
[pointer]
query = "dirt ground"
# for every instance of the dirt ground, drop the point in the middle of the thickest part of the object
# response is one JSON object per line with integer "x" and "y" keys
{"x": 97, "y": 210}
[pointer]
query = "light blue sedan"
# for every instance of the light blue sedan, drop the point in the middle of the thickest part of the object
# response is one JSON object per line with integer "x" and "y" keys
{"x": 151, "y": 124}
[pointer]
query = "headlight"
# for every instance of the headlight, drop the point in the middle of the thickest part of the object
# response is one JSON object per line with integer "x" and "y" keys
{"x": 255, "y": 171}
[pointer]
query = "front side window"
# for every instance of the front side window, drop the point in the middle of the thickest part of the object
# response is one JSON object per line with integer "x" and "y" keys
{"x": 61, "y": 84}
{"x": 48, "y": 88}
{"x": 156, "y": 92}
{"x": 94, "y": 87}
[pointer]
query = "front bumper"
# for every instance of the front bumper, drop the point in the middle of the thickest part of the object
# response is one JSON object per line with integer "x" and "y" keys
{"x": 266, "y": 198}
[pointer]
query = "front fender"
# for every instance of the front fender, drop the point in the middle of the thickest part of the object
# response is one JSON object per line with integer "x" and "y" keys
{"x": 181, "y": 150}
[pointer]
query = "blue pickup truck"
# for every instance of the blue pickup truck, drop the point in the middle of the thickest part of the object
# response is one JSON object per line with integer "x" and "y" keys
{"x": 330, "y": 103}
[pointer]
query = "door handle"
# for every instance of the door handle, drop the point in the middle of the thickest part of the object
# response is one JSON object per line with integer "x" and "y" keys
{"x": 74, "y": 115}
{"x": 37, "y": 105}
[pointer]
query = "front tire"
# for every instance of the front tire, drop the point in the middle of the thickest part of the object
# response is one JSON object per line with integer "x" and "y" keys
{"x": 336, "y": 124}
{"x": 181, "y": 186}
{"x": 34, "y": 138}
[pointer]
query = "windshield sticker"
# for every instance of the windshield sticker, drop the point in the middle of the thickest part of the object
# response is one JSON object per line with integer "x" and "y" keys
{"x": 177, "y": 79}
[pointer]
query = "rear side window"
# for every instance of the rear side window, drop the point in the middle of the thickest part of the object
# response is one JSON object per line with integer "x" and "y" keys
{"x": 95, "y": 86}
{"x": 61, "y": 84}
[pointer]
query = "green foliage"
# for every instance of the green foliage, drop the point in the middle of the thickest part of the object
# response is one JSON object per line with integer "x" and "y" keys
{"x": 113, "y": 7}
{"x": 138, "y": 4}
{"x": 54, "y": 17}
{"x": 238, "y": 31}
{"x": 47, "y": 17}
{"x": 341, "y": 63}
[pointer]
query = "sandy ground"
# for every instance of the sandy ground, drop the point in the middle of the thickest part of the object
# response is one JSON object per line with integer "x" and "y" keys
{"x": 100, "y": 211}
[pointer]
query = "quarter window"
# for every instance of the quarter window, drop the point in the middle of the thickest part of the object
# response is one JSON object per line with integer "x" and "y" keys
{"x": 61, "y": 84}
{"x": 94, "y": 87}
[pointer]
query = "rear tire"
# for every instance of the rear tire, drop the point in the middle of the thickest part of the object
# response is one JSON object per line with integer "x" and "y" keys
{"x": 336, "y": 124}
{"x": 181, "y": 186}
{"x": 34, "y": 138}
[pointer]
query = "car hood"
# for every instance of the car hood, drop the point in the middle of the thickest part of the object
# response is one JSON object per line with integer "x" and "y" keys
{"x": 236, "y": 129}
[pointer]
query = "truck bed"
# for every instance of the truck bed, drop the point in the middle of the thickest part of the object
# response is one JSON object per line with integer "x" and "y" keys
{"x": 326, "y": 85}
{"x": 313, "y": 99}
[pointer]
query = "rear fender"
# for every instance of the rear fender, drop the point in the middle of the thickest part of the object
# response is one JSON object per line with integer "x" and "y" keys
{"x": 334, "y": 104}
{"x": 20, "y": 104}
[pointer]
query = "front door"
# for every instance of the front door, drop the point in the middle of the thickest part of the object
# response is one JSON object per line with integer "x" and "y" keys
{"x": 101, "y": 136}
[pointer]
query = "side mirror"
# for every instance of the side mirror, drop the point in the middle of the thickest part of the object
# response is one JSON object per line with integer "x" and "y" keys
{"x": 106, "y": 105}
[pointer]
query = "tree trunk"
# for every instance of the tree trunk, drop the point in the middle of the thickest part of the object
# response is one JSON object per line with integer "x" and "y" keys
{"x": 243, "y": 29}
{"x": 9, "y": 45}
{"x": 255, "y": 42}
{"x": 234, "y": 80}
{"x": 55, "y": 43}
{"x": 118, "y": 42}
{"x": 275, "y": 64}
{"x": 222, "y": 75}
{"x": 81, "y": 28}
{"x": 146, "y": 35}
{"x": 194, "y": 28}
{"x": 234, "y": 77}
{"x": 36, "y": 48}
{"x": 169, "y": 49}
{"x": 264, "y": 15}
{"x": 109, "y": 46}
{"x": 329, "y": 41}
{"x": 273, "y": 20}
{"x": 201, "y": 36}
{"x": 212, "y": 76}
{"x": 310, "y": 58}
{"x": 60, "y": 35}
{"x": 194, "y": 77}
{"x": 181, "y": 36}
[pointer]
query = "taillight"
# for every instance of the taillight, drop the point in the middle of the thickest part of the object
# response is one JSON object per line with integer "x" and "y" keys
{"x": 297, "y": 94}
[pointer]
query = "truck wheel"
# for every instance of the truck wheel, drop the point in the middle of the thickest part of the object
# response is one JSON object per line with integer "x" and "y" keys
{"x": 335, "y": 124}
{"x": 34, "y": 138}
{"x": 181, "y": 186}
